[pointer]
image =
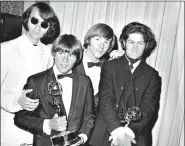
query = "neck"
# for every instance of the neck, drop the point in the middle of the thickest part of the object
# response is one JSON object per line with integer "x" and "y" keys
{"x": 34, "y": 41}
{"x": 133, "y": 60}
{"x": 91, "y": 56}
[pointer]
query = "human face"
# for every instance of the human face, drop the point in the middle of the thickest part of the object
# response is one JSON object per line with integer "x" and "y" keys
{"x": 35, "y": 31}
{"x": 98, "y": 46}
{"x": 135, "y": 45}
{"x": 64, "y": 61}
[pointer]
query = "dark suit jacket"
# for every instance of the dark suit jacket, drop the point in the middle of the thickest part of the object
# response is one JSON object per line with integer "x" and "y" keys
{"x": 113, "y": 92}
{"x": 81, "y": 116}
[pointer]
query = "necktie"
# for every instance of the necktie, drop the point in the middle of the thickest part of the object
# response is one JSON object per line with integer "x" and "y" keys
{"x": 132, "y": 61}
{"x": 91, "y": 64}
{"x": 131, "y": 66}
{"x": 60, "y": 76}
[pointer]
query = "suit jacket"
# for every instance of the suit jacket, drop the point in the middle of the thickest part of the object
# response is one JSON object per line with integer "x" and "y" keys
{"x": 115, "y": 92}
{"x": 81, "y": 116}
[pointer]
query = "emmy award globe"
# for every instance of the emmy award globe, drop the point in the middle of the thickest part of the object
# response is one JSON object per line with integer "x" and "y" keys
{"x": 64, "y": 138}
{"x": 132, "y": 114}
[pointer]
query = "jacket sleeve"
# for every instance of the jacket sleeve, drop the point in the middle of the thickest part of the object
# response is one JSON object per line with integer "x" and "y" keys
{"x": 89, "y": 112}
{"x": 28, "y": 120}
{"x": 107, "y": 104}
{"x": 148, "y": 103}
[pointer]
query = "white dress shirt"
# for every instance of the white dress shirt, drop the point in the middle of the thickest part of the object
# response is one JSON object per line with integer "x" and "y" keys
{"x": 93, "y": 73}
{"x": 19, "y": 60}
{"x": 67, "y": 86}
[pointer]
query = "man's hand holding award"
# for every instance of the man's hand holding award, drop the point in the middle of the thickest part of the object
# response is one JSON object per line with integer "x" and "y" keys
{"x": 59, "y": 122}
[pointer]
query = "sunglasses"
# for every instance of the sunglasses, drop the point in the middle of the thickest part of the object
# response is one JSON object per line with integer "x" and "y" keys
{"x": 35, "y": 21}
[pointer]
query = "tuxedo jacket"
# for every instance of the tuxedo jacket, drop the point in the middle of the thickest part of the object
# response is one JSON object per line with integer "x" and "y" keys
{"x": 116, "y": 93}
{"x": 81, "y": 115}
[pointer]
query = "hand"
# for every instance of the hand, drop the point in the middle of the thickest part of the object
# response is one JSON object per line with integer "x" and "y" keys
{"x": 26, "y": 102}
{"x": 114, "y": 141}
{"x": 79, "y": 142}
{"x": 116, "y": 54}
{"x": 129, "y": 140}
{"x": 58, "y": 123}
{"x": 124, "y": 140}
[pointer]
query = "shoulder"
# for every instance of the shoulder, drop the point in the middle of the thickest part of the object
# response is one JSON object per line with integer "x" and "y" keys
{"x": 38, "y": 76}
{"x": 114, "y": 62}
{"x": 83, "y": 76}
{"x": 46, "y": 48}
{"x": 10, "y": 45}
{"x": 84, "y": 79}
{"x": 151, "y": 72}
{"x": 149, "y": 68}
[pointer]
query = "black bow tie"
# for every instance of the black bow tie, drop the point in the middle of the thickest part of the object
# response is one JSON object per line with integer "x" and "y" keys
{"x": 91, "y": 64}
{"x": 60, "y": 76}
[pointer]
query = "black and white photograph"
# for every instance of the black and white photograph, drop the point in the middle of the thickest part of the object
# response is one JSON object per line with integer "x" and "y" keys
{"x": 92, "y": 73}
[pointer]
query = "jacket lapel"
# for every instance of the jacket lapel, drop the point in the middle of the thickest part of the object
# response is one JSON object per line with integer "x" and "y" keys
{"x": 74, "y": 94}
{"x": 80, "y": 68}
{"x": 139, "y": 71}
{"x": 48, "y": 97}
{"x": 122, "y": 70}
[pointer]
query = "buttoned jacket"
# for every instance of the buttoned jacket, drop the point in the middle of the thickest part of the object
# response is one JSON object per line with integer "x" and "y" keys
{"x": 115, "y": 75}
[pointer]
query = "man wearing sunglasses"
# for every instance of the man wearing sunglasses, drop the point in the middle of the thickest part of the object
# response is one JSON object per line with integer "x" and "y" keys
{"x": 20, "y": 58}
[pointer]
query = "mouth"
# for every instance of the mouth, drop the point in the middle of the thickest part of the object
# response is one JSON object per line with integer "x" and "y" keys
{"x": 36, "y": 34}
{"x": 134, "y": 51}
{"x": 100, "y": 51}
{"x": 63, "y": 65}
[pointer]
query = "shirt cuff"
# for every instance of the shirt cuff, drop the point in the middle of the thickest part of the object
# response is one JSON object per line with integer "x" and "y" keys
{"x": 123, "y": 130}
{"x": 16, "y": 102}
{"x": 83, "y": 136}
{"x": 46, "y": 128}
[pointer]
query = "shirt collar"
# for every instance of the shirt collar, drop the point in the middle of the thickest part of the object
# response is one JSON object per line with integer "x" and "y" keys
{"x": 35, "y": 49}
{"x": 86, "y": 59}
{"x": 57, "y": 72}
{"x": 135, "y": 64}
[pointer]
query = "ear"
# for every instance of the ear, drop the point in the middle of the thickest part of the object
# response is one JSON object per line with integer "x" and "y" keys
{"x": 146, "y": 46}
{"x": 124, "y": 43}
{"x": 53, "y": 54}
{"x": 89, "y": 42}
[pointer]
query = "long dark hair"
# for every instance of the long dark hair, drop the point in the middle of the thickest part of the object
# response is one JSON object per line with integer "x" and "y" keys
{"x": 136, "y": 27}
{"x": 47, "y": 14}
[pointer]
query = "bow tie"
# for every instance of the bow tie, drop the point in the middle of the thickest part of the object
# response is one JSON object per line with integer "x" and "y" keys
{"x": 60, "y": 76}
{"x": 91, "y": 64}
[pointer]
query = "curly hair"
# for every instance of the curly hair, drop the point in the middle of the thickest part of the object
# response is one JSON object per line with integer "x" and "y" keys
{"x": 136, "y": 27}
{"x": 47, "y": 14}
{"x": 102, "y": 30}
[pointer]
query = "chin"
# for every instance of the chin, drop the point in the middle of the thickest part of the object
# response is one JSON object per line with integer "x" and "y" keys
{"x": 98, "y": 56}
{"x": 63, "y": 71}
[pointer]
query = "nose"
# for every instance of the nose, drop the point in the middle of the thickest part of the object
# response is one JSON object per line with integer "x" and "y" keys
{"x": 101, "y": 45}
{"x": 65, "y": 57}
{"x": 37, "y": 26}
{"x": 135, "y": 45}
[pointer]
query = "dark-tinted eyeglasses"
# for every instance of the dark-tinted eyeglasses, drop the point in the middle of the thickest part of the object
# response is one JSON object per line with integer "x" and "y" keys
{"x": 44, "y": 24}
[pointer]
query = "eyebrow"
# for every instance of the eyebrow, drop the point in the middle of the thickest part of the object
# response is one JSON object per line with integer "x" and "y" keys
{"x": 110, "y": 39}
{"x": 135, "y": 41}
{"x": 65, "y": 51}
